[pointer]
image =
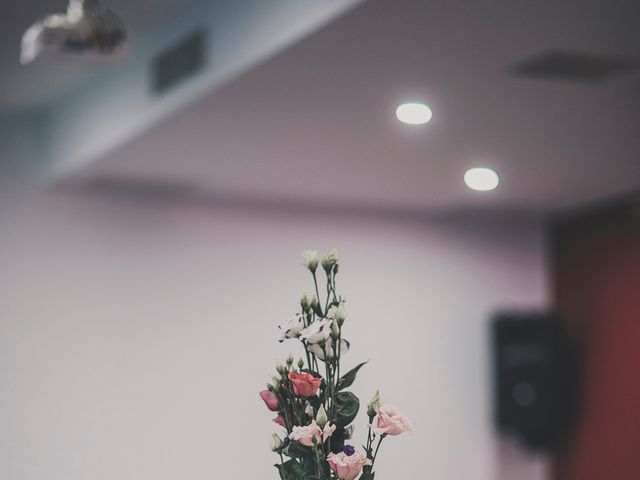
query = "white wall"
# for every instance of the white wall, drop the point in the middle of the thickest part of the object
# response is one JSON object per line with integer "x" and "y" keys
{"x": 135, "y": 334}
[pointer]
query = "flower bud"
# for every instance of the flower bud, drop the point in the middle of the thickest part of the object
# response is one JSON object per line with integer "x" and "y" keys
{"x": 310, "y": 259}
{"x": 305, "y": 302}
{"x": 375, "y": 401}
{"x": 341, "y": 314}
{"x": 314, "y": 302}
{"x": 270, "y": 399}
{"x": 309, "y": 410}
{"x": 290, "y": 360}
{"x": 300, "y": 363}
{"x": 348, "y": 450}
{"x": 335, "y": 330}
{"x": 276, "y": 443}
{"x": 280, "y": 368}
{"x": 328, "y": 352}
{"x": 348, "y": 432}
{"x": 321, "y": 417}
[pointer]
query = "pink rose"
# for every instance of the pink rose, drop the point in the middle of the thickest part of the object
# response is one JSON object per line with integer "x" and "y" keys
{"x": 280, "y": 421}
{"x": 347, "y": 467}
{"x": 390, "y": 421}
{"x": 304, "y": 384}
{"x": 305, "y": 435}
{"x": 270, "y": 400}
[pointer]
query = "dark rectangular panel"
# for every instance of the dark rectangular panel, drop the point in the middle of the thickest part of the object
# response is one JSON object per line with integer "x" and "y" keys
{"x": 179, "y": 62}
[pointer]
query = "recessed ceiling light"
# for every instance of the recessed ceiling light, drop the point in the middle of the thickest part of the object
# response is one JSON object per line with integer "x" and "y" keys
{"x": 414, "y": 113}
{"x": 481, "y": 179}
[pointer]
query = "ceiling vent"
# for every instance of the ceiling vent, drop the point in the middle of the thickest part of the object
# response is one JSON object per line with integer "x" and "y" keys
{"x": 573, "y": 66}
{"x": 132, "y": 187}
{"x": 179, "y": 62}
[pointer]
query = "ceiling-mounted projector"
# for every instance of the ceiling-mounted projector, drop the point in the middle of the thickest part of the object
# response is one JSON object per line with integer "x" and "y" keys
{"x": 87, "y": 29}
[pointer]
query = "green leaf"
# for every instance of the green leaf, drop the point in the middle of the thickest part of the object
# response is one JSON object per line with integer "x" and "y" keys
{"x": 290, "y": 470}
{"x": 311, "y": 477}
{"x": 309, "y": 464}
{"x": 294, "y": 468}
{"x": 296, "y": 450}
{"x": 315, "y": 403}
{"x": 349, "y": 377}
{"x": 281, "y": 471}
{"x": 338, "y": 440}
{"x": 367, "y": 476}
{"x": 346, "y": 408}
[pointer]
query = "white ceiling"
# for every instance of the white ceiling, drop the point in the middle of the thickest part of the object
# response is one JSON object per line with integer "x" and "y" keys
{"x": 48, "y": 78}
{"x": 317, "y": 122}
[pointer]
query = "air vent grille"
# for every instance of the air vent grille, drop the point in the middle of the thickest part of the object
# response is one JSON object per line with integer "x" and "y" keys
{"x": 179, "y": 62}
{"x": 132, "y": 187}
{"x": 573, "y": 66}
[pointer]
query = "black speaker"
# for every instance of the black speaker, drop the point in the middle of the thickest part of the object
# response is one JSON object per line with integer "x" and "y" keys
{"x": 537, "y": 378}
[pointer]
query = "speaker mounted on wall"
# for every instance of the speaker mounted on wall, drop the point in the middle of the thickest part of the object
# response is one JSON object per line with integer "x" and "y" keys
{"x": 537, "y": 379}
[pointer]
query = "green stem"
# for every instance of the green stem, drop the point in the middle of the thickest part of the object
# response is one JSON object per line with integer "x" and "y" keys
{"x": 287, "y": 420}
{"x": 315, "y": 282}
{"x": 326, "y": 305}
{"x": 296, "y": 409}
{"x": 333, "y": 382}
{"x": 339, "y": 352}
{"x": 319, "y": 469}
{"x": 369, "y": 440}
{"x": 330, "y": 393}
{"x": 328, "y": 397}
{"x": 333, "y": 286}
{"x": 373, "y": 461}
{"x": 306, "y": 351}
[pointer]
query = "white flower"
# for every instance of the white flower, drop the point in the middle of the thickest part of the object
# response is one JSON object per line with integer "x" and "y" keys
{"x": 292, "y": 327}
{"x": 310, "y": 259}
{"x": 317, "y": 332}
{"x": 327, "y": 351}
{"x": 338, "y": 313}
{"x": 330, "y": 260}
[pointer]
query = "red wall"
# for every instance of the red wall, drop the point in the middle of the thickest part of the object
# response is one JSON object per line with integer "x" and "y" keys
{"x": 597, "y": 288}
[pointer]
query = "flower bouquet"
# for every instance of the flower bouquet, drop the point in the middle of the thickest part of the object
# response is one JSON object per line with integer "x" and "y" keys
{"x": 314, "y": 408}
